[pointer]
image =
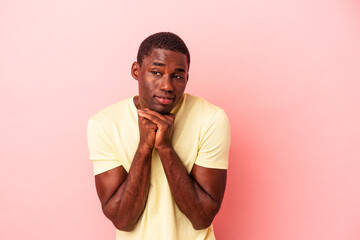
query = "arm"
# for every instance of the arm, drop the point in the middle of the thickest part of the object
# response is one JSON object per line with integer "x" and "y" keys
{"x": 198, "y": 195}
{"x": 123, "y": 196}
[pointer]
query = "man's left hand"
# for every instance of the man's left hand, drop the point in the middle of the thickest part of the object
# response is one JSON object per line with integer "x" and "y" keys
{"x": 165, "y": 125}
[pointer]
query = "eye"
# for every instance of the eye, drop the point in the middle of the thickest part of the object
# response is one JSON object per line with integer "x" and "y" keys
{"x": 177, "y": 77}
{"x": 155, "y": 72}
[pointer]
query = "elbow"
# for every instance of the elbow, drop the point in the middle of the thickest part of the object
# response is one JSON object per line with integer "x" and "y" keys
{"x": 126, "y": 227}
{"x": 204, "y": 219}
{"x": 202, "y": 224}
{"x": 124, "y": 223}
{"x": 120, "y": 221}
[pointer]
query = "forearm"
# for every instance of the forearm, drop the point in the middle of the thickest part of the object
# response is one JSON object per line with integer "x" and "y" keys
{"x": 192, "y": 200}
{"x": 127, "y": 204}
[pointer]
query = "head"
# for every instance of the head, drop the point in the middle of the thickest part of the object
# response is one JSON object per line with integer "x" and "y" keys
{"x": 162, "y": 40}
{"x": 161, "y": 70}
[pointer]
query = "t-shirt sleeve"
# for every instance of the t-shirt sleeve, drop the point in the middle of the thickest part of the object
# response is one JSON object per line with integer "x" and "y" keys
{"x": 215, "y": 143}
{"x": 100, "y": 149}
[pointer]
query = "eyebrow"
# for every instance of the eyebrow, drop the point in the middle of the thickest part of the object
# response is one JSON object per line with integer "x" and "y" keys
{"x": 179, "y": 70}
{"x": 158, "y": 64}
{"x": 162, "y": 65}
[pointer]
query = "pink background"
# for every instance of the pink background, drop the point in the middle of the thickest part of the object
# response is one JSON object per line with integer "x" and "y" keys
{"x": 286, "y": 72}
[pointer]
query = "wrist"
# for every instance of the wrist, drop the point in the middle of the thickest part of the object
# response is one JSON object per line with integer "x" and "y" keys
{"x": 164, "y": 147}
{"x": 144, "y": 148}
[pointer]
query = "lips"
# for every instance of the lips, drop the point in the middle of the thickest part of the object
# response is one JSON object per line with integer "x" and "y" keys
{"x": 165, "y": 100}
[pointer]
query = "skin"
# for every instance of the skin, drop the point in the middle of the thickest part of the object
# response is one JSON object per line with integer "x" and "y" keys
{"x": 123, "y": 195}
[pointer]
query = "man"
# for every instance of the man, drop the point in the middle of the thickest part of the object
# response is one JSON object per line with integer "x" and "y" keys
{"x": 160, "y": 158}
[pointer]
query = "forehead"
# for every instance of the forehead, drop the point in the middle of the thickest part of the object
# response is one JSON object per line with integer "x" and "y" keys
{"x": 166, "y": 57}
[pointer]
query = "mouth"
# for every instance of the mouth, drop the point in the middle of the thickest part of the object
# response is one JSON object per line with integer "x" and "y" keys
{"x": 165, "y": 100}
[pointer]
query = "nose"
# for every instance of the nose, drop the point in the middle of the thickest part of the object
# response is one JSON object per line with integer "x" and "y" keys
{"x": 166, "y": 84}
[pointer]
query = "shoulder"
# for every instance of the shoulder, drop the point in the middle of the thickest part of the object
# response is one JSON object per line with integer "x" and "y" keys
{"x": 112, "y": 113}
{"x": 197, "y": 106}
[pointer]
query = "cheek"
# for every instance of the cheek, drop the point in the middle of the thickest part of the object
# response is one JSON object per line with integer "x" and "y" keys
{"x": 180, "y": 86}
{"x": 145, "y": 89}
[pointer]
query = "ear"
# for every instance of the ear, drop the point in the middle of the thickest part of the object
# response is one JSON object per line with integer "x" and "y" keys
{"x": 135, "y": 69}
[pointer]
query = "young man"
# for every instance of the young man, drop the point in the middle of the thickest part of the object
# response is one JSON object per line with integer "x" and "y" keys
{"x": 160, "y": 158}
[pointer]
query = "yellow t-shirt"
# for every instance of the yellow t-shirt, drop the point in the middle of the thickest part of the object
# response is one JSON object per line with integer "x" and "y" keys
{"x": 201, "y": 135}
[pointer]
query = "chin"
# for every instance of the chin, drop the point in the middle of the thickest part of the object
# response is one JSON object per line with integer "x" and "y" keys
{"x": 162, "y": 110}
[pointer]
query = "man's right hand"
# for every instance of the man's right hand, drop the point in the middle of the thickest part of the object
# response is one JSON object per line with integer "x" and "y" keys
{"x": 147, "y": 130}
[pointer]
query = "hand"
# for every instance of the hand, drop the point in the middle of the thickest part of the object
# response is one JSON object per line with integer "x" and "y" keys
{"x": 147, "y": 130}
{"x": 164, "y": 125}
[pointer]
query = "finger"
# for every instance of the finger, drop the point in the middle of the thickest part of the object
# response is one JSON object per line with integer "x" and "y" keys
{"x": 170, "y": 117}
{"x": 159, "y": 115}
{"x": 145, "y": 120}
{"x": 147, "y": 124}
{"x": 153, "y": 118}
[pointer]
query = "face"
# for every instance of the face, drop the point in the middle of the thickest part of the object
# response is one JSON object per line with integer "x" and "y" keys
{"x": 162, "y": 79}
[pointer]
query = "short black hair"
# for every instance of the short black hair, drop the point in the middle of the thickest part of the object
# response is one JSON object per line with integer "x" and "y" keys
{"x": 163, "y": 40}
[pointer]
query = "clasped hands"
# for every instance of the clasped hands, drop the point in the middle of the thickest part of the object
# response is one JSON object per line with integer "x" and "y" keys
{"x": 155, "y": 129}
